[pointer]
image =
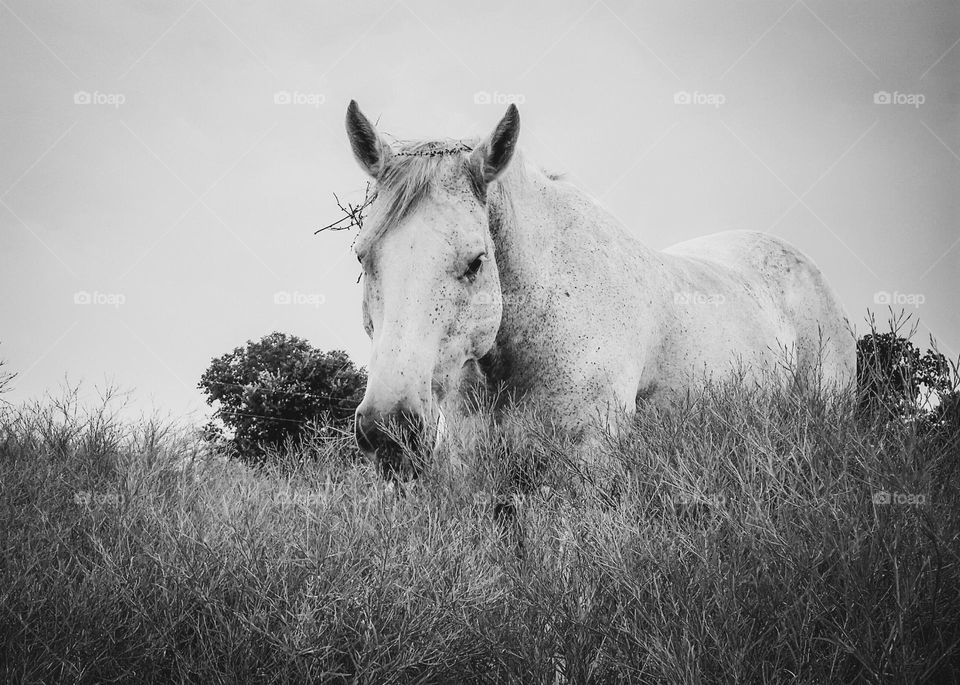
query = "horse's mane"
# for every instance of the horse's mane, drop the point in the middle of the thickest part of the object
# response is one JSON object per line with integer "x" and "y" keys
{"x": 412, "y": 171}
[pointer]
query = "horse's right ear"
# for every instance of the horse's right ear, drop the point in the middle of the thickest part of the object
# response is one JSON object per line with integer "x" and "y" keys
{"x": 370, "y": 150}
{"x": 491, "y": 157}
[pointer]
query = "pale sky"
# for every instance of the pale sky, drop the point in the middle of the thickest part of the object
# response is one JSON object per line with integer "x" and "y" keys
{"x": 148, "y": 167}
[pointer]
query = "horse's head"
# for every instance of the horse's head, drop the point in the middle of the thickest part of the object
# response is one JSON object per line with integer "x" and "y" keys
{"x": 431, "y": 289}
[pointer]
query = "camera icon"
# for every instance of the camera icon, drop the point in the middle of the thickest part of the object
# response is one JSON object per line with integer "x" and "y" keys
{"x": 82, "y": 97}
{"x": 282, "y": 97}
{"x": 282, "y": 297}
{"x": 682, "y": 97}
{"x": 881, "y": 497}
{"x": 882, "y": 97}
{"x": 82, "y": 297}
{"x": 482, "y": 97}
{"x": 882, "y": 297}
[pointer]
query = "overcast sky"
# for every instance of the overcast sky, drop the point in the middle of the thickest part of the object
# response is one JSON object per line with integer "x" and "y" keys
{"x": 165, "y": 164}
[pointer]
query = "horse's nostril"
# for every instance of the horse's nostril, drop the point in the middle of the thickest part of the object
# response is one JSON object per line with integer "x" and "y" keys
{"x": 362, "y": 436}
{"x": 363, "y": 426}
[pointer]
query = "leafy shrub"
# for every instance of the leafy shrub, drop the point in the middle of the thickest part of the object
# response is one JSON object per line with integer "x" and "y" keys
{"x": 268, "y": 391}
{"x": 896, "y": 381}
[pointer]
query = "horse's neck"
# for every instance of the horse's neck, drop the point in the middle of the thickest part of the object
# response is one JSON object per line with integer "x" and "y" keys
{"x": 538, "y": 221}
{"x": 548, "y": 236}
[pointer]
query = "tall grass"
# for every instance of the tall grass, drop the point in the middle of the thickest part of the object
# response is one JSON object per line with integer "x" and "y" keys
{"x": 743, "y": 536}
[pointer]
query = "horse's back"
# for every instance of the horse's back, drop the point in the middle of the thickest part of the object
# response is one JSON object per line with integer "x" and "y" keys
{"x": 770, "y": 281}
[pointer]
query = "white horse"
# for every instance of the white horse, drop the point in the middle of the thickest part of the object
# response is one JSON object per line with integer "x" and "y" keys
{"x": 473, "y": 258}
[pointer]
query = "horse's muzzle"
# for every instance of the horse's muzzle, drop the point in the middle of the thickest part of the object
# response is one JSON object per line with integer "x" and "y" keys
{"x": 394, "y": 440}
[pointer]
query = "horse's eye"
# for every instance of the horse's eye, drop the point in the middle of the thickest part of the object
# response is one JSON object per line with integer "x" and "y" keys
{"x": 471, "y": 273}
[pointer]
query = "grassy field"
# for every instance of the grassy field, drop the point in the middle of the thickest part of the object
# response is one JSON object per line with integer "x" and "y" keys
{"x": 741, "y": 537}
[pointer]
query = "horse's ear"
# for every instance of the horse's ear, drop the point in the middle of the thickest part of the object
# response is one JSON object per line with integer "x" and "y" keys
{"x": 491, "y": 157}
{"x": 369, "y": 148}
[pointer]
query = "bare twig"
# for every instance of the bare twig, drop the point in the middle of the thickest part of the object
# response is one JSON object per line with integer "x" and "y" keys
{"x": 352, "y": 214}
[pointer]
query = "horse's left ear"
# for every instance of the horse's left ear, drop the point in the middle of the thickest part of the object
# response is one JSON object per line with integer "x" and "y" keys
{"x": 371, "y": 151}
{"x": 491, "y": 157}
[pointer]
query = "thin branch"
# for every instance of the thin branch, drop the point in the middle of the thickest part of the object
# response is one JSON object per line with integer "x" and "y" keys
{"x": 352, "y": 214}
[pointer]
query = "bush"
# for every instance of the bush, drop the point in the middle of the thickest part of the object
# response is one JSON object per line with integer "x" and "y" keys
{"x": 269, "y": 391}
{"x": 896, "y": 382}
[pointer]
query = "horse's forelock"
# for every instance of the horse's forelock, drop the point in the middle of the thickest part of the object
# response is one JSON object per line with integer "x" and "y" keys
{"x": 408, "y": 176}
